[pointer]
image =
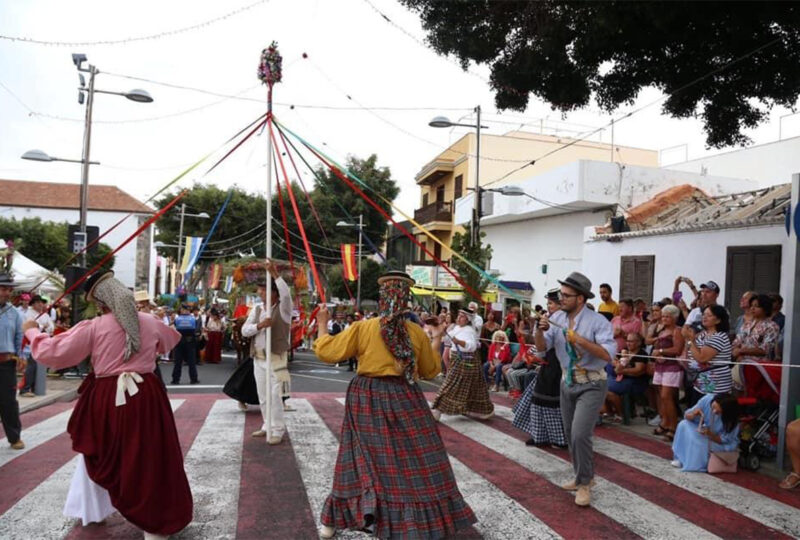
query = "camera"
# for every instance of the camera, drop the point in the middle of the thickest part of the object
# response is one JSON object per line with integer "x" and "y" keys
{"x": 697, "y": 326}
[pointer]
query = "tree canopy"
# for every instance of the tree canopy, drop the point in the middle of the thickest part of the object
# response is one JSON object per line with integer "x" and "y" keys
{"x": 45, "y": 242}
{"x": 727, "y": 63}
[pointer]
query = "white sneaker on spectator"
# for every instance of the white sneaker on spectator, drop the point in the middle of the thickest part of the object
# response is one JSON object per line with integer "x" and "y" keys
{"x": 675, "y": 463}
{"x": 655, "y": 421}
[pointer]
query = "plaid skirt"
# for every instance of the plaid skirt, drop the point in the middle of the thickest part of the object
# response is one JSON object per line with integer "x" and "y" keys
{"x": 543, "y": 424}
{"x": 464, "y": 390}
{"x": 392, "y": 471}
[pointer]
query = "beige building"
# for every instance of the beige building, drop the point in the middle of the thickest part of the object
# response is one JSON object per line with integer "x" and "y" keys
{"x": 447, "y": 177}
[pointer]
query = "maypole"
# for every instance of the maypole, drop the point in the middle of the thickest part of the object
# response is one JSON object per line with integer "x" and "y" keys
{"x": 269, "y": 71}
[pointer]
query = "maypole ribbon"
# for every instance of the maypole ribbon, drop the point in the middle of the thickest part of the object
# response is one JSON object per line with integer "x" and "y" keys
{"x": 107, "y": 258}
{"x": 311, "y": 261}
{"x": 320, "y": 181}
{"x": 472, "y": 265}
{"x": 210, "y": 234}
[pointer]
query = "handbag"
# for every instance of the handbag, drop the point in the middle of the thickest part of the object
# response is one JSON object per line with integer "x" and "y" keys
{"x": 722, "y": 462}
{"x": 241, "y": 385}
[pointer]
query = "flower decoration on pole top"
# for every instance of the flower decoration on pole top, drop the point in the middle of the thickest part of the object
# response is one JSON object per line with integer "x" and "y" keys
{"x": 270, "y": 69}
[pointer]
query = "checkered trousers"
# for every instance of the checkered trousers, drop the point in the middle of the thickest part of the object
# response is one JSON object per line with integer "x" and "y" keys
{"x": 392, "y": 466}
{"x": 464, "y": 389}
{"x": 543, "y": 424}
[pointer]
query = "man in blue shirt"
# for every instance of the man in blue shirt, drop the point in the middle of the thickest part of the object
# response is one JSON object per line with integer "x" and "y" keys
{"x": 10, "y": 350}
{"x": 186, "y": 351}
{"x": 584, "y": 343}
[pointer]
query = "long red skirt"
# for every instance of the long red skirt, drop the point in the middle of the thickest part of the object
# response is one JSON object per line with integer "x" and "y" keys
{"x": 133, "y": 452}
{"x": 214, "y": 348}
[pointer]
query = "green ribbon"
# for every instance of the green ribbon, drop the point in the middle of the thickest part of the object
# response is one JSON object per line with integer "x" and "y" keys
{"x": 573, "y": 357}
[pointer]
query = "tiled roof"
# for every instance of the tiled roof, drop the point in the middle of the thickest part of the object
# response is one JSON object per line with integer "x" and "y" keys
{"x": 683, "y": 210}
{"x": 54, "y": 195}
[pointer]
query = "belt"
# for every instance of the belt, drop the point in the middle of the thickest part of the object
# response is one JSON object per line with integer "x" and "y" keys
{"x": 583, "y": 376}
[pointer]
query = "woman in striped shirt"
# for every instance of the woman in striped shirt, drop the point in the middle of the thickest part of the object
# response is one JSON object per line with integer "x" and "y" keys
{"x": 710, "y": 353}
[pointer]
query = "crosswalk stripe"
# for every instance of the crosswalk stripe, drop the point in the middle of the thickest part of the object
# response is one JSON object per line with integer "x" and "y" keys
{"x": 499, "y": 516}
{"x": 647, "y": 520}
{"x": 742, "y": 501}
{"x": 213, "y": 465}
{"x": 694, "y": 507}
{"x": 36, "y": 435}
{"x": 39, "y": 513}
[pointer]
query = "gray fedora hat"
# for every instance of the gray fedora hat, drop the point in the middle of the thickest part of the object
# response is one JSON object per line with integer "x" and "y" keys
{"x": 580, "y": 283}
{"x": 7, "y": 280}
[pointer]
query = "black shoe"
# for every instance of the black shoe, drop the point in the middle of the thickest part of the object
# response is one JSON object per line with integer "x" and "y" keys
{"x": 530, "y": 442}
{"x": 194, "y": 382}
{"x": 176, "y": 382}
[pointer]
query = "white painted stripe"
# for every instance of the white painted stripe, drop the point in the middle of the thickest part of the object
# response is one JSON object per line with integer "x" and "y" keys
{"x": 499, "y": 516}
{"x": 630, "y": 510}
{"x": 320, "y": 378}
{"x": 748, "y": 503}
{"x": 36, "y": 435}
{"x": 741, "y": 500}
{"x": 39, "y": 513}
{"x": 213, "y": 466}
{"x": 315, "y": 449}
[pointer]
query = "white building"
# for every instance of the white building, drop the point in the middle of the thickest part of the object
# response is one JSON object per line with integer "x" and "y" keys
{"x": 768, "y": 164}
{"x": 735, "y": 240}
{"x": 134, "y": 264}
{"x": 539, "y": 238}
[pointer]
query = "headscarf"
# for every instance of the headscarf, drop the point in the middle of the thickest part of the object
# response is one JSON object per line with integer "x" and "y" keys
{"x": 111, "y": 293}
{"x": 394, "y": 295}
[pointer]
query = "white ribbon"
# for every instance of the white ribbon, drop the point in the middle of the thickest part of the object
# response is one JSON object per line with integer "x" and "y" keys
{"x": 127, "y": 382}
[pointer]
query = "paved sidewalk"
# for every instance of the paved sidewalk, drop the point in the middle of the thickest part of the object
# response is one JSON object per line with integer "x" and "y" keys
{"x": 58, "y": 389}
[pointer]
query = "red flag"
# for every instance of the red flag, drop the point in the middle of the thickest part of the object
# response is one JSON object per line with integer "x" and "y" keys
{"x": 350, "y": 270}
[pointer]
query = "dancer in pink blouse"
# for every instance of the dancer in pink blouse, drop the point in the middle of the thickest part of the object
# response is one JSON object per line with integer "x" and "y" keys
{"x": 122, "y": 423}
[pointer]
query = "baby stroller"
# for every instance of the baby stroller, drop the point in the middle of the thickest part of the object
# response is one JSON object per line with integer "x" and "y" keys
{"x": 759, "y": 420}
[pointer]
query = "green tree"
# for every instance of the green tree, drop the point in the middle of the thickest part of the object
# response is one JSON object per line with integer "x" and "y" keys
{"x": 241, "y": 227}
{"x": 45, "y": 242}
{"x": 479, "y": 254}
{"x": 726, "y": 62}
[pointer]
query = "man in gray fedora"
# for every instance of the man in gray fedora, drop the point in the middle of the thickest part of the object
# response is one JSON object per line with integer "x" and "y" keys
{"x": 584, "y": 343}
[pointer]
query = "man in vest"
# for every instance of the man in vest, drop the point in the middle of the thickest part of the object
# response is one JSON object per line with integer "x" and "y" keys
{"x": 186, "y": 350}
{"x": 280, "y": 323}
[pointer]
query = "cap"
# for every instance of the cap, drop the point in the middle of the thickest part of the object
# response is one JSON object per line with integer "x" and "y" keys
{"x": 710, "y": 285}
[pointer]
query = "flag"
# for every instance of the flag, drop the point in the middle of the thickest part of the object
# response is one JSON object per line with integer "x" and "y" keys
{"x": 214, "y": 275}
{"x": 191, "y": 250}
{"x": 229, "y": 284}
{"x": 349, "y": 271}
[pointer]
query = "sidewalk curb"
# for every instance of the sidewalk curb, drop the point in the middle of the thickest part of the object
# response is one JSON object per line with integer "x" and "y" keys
{"x": 67, "y": 395}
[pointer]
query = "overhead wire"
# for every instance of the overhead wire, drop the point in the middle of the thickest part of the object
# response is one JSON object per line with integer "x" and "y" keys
{"x": 124, "y": 41}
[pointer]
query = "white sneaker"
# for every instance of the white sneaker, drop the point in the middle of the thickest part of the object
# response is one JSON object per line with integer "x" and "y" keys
{"x": 675, "y": 463}
{"x": 327, "y": 532}
{"x": 655, "y": 421}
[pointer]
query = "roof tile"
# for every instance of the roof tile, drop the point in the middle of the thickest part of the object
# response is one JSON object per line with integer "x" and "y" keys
{"x": 56, "y": 195}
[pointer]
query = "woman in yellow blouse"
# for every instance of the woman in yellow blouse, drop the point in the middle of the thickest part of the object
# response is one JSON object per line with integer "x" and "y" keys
{"x": 392, "y": 474}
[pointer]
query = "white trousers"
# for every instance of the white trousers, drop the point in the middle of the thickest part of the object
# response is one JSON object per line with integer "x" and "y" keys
{"x": 86, "y": 500}
{"x": 260, "y": 373}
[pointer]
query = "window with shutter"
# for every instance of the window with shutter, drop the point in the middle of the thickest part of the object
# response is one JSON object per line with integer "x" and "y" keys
{"x": 751, "y": 268}
{"x": 636, "y": 277}
{"x": 459, "y": 188}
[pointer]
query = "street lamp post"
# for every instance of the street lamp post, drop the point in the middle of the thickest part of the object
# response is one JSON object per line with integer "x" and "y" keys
{"x": 444, "y": 122}
{"x": 360, "y": 233}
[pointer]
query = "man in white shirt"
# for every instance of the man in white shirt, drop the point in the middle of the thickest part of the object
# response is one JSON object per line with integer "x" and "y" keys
{"x": 37, "y": 309}
{"x": 280, "y": 323}
{"x": 477, "y": 320}
{"x": 709, "y": 292}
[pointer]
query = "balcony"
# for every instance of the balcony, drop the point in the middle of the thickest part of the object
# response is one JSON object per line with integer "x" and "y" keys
{"x": 434, "y": 170}
{"x": 438, "y": 211}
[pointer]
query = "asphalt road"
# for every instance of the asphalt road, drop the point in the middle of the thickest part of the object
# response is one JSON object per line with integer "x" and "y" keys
{"x": 308, "y": 375}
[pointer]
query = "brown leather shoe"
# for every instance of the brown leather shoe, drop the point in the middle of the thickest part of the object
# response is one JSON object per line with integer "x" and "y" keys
{"x": 583, "y": 496}
{"x": 19, "y": 445}
{"x": 572, "y": 486}
{"x": 275, "y": 439}
{"x": 259, "y": 433}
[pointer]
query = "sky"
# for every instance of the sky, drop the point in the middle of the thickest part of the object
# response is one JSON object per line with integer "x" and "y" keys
{"x": 357, "y": 65}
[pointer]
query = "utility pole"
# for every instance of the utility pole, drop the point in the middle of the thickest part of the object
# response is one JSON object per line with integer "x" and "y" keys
{"x": 358, "y": 286}
{"x": 476, "y": 218}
